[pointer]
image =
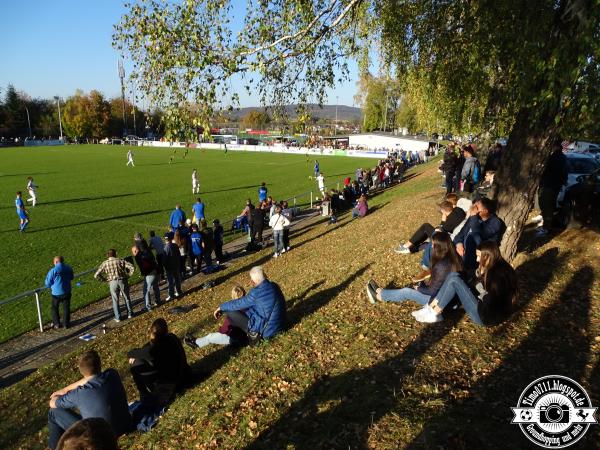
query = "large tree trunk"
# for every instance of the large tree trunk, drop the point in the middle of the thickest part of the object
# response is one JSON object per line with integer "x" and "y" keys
{"x": 529, "y": 146}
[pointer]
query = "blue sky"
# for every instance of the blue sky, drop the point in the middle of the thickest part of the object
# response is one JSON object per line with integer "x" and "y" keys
{"x": 52, "y": 47}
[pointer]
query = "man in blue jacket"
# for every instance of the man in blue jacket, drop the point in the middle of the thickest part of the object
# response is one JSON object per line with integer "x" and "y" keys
{"x": 482, "y": 225}
{"x": 59, "y": 280}
{"x": 177, "y": 217}
{"x": 198, "y": 209}
{"x": 264, "y": 313}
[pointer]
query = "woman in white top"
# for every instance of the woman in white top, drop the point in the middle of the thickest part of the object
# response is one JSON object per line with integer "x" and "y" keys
{"x": 278, "y": 222}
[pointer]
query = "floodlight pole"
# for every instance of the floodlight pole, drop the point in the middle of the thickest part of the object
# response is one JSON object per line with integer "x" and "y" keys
{"x": 122, "y": 77}
{"x": 28, "y": 121}
{"x": 59, "y": 119}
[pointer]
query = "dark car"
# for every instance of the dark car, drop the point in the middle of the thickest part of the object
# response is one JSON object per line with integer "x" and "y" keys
{"x": 581, "y": 203}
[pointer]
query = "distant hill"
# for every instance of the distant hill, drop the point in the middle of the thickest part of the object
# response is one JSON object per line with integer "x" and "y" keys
{"x": 345, "y": 113}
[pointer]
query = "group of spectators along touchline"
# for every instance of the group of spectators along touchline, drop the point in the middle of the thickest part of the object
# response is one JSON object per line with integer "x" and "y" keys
{"x": 97, "y": 403}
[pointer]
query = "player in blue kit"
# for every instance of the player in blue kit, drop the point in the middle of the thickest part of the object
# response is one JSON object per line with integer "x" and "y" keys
{"x": 21, "y": 212}
{"x": 198, "y": 209}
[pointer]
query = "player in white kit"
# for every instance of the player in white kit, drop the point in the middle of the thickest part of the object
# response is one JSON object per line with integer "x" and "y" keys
{"x": 195, "y": 182}
{"x": 130, "y": 158}
{"x": 31, "y": 188}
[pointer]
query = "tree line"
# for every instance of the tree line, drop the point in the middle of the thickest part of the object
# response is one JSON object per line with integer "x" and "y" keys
{"x": 83, "y": 116}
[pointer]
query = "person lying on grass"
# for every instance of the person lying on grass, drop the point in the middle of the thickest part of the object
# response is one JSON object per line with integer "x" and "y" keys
{"x": 260, "y": 313}
{"x": 488, "y": 302}
{"x": 159, "y": 368}
{"x": 444, "y": 260}
{"x": 228, "y": 333}
{"x": 98, "y": 394}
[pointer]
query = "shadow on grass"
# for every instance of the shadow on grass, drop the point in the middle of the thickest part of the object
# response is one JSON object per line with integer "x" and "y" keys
{"x": 88, "y": 222}
{"x": 559, "y": 343}
{"x": 238, "y": 188}
{"x": 337, "y": 412}
{"x": 308, "y": 306}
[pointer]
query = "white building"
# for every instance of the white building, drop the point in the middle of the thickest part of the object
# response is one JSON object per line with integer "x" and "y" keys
{"x": 372, "y": 141}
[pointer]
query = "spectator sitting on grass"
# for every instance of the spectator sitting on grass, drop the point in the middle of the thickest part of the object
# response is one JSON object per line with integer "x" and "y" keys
{"x": 97, "y": 394}
{"x": 228, "y": 333}
{"x": 362, "y": 207}
{"x": 444, "y": 260}
{"x": 493, "y": 296}
{"x": 452, "y": 217}
{"x": 261, "y": 313}
{"x": 159, "y": 368}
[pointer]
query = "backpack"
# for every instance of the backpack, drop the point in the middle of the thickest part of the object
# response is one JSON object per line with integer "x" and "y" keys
{"x": 476, "y": 174}
{"x": 147, "y": 264}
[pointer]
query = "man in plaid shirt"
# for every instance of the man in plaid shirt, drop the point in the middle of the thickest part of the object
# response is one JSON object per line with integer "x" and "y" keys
{"x": 116, "y": 271}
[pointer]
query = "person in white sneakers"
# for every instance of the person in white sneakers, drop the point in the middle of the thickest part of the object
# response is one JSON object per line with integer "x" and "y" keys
{"x": 278, "y": 222}
{"x": 321, "y": 183}
{"x": 31, "y": 188}
{"x": 195, "y": 183}
{"x": 489, "y": 303}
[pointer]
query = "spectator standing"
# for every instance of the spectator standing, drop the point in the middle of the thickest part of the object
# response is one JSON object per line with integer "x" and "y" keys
{"x": 257, "y": 223}
{"x": 98, "y": 394}
{"x": 157, "y": 244}
{"x": 218, "y": 240}
{"x": 207, "y": 239}
{"x": 196, "y": 255}
{"x": 59, "y": 280}
{"x": 198, "y": 209}
{"x": 172, "y": 262}
{"x": 117, "y": 272}
{"x": 553, "y": 179}
{"x": 177, "y": 217}
{"x": 149, "y": 270}
{"x": 278, "y": 222}
{"x": 471, "y": 171}
{"x": 449, "y": 168}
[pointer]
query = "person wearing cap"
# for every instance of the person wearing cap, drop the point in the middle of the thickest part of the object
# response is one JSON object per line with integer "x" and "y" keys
{"x": 59, "y": 280}
{"x": 171, "y": 263}
{"x": 177, "y": 217}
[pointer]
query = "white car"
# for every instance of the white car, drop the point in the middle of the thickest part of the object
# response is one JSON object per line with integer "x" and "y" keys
{"x": 577, "y": 164}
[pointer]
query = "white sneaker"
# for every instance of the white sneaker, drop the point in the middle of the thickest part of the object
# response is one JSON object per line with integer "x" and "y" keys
{"x": 275, "y": 255}
{"x": 429, "y": 316}
{"x": 283, "y": 250}
{"x": 418, "y": 312}
{"x": 402, "y": 250}
{"x": 288, "y": 249}
{"x": 168, "y": 299}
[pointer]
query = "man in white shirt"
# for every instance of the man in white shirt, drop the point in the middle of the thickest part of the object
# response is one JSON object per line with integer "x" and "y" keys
{"x": 321, "y": 182}
{"x": 130, "y": 158}
{"x": 278, "y": 222}
{"x": 195, "y": 182}
{"x": 31, "y": 188}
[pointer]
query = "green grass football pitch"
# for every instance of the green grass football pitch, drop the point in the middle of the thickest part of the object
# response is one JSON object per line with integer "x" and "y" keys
{"x": 89, "y": 201}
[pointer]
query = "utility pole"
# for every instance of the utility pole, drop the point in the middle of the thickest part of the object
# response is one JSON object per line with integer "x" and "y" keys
{"x": 59, "y": 119}
{"x": 122, "y": 77}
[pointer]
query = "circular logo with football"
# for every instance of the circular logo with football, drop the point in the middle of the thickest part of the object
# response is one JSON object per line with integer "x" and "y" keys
{"x": 554, "y": 412}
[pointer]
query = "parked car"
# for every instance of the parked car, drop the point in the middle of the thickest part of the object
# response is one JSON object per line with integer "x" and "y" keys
{"x": 581, "y": 203}
{"x": 577, "y": 164}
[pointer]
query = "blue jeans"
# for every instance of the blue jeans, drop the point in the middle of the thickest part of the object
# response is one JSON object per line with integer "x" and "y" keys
{"x": 59, "y": 420}
{"x": 455, "y": 286}
{"x": 120, "y": 287}
{"x": 151, "y": 281}
{"x": 278, "y": 240}
{"x": 426, "y": 258}
{"x": 400, "y": 295}
{"x": 173, "y": 282}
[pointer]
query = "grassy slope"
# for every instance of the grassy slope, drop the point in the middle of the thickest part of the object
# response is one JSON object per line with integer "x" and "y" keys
{"x": 352, "y": 375}
{"x": 90, "y": 201}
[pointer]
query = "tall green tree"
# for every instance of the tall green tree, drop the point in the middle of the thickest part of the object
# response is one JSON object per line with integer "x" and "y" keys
{"x": 256, "y": 120}
{"x": 493, "y": 66}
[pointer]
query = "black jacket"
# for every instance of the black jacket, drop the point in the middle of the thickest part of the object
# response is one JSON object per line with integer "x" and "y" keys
{"x": 453, "y": 220}
{"x": 555, "y": 173}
